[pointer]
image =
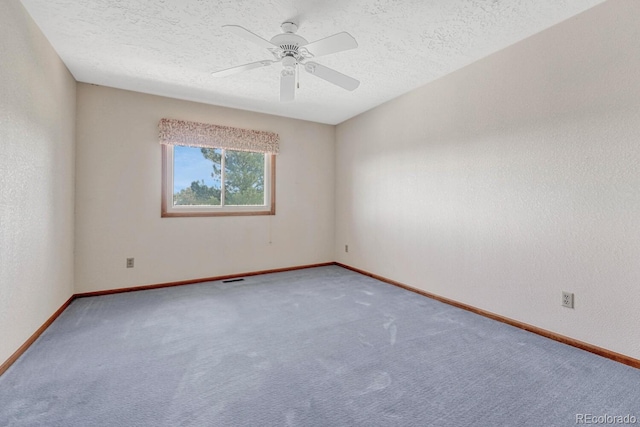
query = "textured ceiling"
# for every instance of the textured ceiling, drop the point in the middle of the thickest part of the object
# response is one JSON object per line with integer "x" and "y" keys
{"x": 170, "y": 47}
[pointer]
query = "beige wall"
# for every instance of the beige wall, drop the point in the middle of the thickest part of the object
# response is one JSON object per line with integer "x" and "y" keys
{"x": 118, "y": 197}
{"x": 511, "y": 180}
{"x": 37, "y": 125}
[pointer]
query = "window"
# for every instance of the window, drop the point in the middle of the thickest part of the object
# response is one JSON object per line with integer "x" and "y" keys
{"x": 214, "y": 179}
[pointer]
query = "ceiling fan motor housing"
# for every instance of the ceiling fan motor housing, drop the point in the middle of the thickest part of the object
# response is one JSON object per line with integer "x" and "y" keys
{"x": 290, "y": 45}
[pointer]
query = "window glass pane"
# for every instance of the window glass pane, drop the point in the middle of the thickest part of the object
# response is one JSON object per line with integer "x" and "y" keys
{"x": 244, "y": 178}
{"x": 196, "y": 176}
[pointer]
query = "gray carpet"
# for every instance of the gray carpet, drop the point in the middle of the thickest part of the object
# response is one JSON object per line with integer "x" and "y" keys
{"x": 315, "y": 347}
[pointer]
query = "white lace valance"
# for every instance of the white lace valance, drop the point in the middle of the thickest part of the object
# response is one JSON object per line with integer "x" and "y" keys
{"x": 180, "y": 132}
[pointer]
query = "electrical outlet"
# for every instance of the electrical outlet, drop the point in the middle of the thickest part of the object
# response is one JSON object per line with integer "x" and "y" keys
{"x": 129, "y": 262}
{"x": 567, "y": 299}
{"x": 346, "y": 248}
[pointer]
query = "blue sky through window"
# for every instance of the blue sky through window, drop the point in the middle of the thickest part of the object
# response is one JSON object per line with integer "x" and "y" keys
{"x": 190, "y": 165}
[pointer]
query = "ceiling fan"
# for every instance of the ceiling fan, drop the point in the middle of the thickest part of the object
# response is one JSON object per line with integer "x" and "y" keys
{"x": 293, "y": 50}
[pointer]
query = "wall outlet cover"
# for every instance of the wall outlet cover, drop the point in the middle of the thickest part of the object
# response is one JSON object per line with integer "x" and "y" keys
{"x": 567, "y": 299}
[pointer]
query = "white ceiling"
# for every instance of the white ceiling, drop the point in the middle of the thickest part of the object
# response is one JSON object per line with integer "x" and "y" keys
{"x": 170, "y": 47}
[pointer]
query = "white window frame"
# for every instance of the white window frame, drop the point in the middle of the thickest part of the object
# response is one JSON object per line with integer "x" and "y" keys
{"x": 168, "y": 210}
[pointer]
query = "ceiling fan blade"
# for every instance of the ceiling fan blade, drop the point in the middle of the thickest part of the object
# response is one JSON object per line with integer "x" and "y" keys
{"x": 332, "y": 44}
{"x": 287, "y": 86}
{"x": 248, "y": 35}
{"x": 332, "y": 76}
{"x": 240, "y": 68}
